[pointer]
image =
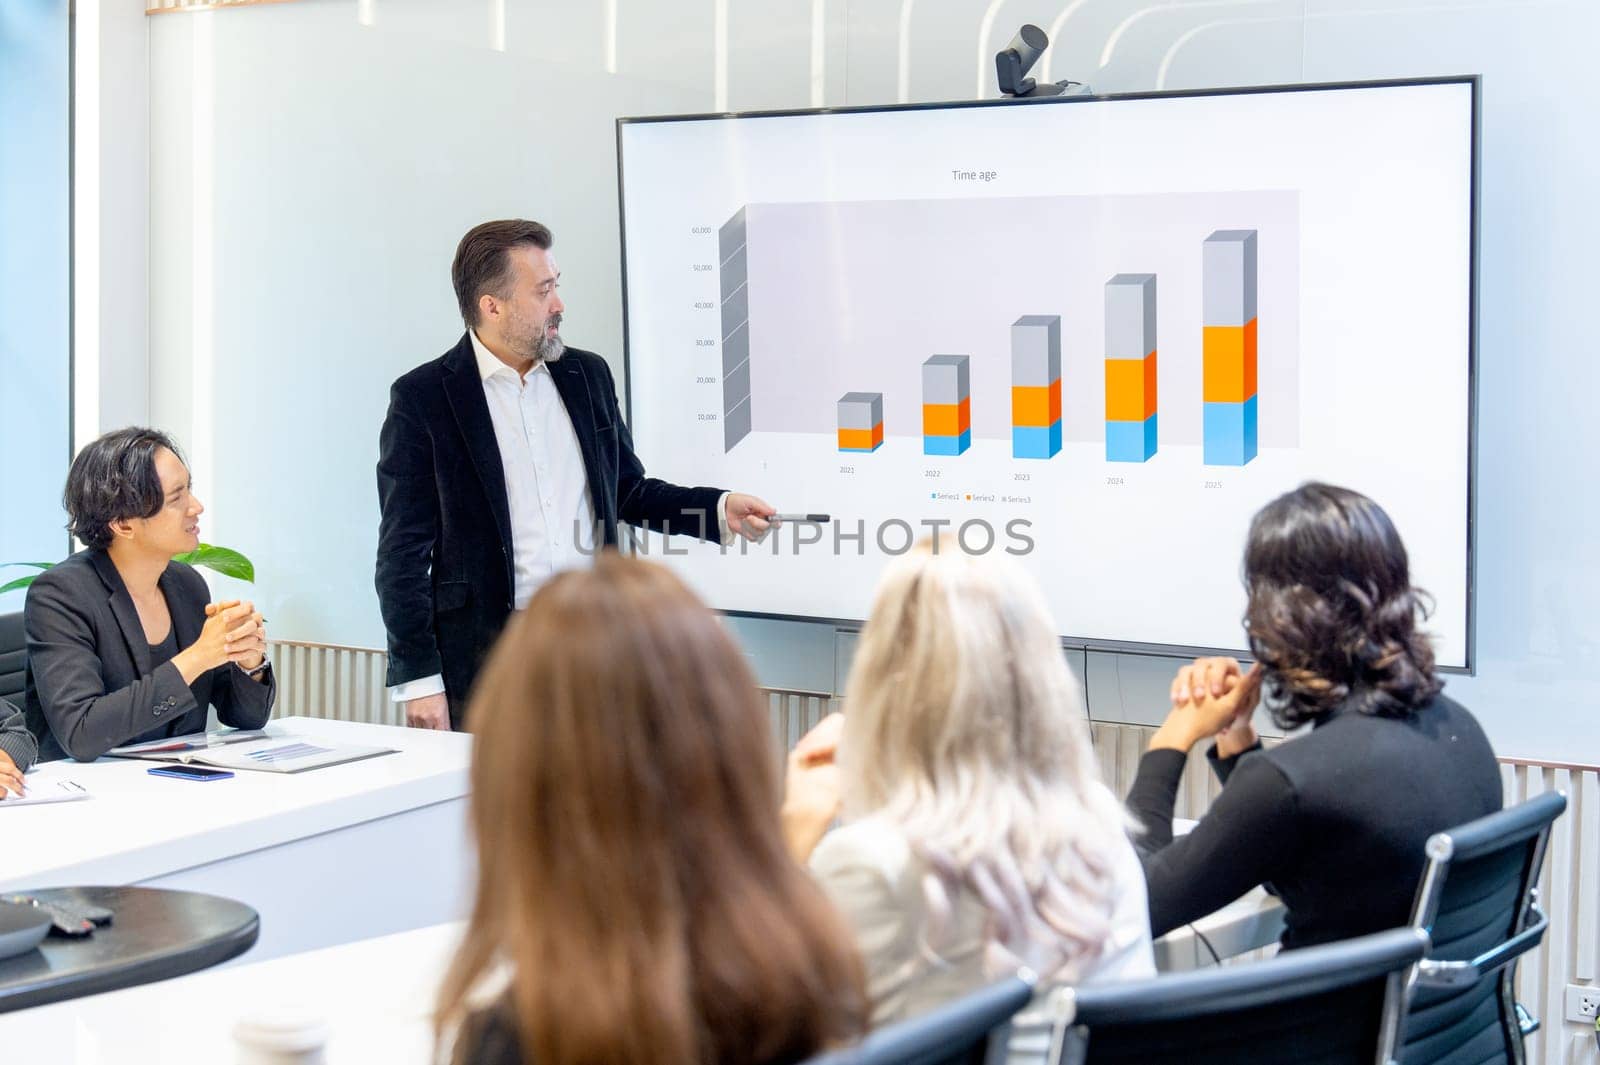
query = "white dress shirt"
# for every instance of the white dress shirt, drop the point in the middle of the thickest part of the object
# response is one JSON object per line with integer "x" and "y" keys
{"x": 546, "y": 483}
{"x": 547, "y": 486}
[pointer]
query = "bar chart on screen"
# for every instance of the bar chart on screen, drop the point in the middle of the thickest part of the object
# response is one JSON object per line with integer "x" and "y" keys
{"x": 855, "y": 339}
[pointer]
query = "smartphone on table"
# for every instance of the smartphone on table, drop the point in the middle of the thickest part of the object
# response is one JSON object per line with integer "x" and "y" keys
{"x": 190, "y": 772}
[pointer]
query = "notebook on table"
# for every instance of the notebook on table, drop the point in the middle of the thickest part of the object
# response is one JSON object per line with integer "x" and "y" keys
{"x": 249, "y": 750}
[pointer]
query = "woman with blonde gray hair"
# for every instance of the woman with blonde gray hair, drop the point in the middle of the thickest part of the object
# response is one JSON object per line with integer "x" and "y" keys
{"x": 978, "y": 837}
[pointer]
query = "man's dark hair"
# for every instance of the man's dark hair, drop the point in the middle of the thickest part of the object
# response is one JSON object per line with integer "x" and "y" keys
{"x": 483, "y": 265}
{"x": 114, "y": 479}
{"x": 1333, "y": 615}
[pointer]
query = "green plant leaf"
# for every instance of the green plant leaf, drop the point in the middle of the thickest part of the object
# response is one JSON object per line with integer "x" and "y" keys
{"x": 22, "y": 582}
{"x": 18, "y": 584}
{"x": 223, "y": 560}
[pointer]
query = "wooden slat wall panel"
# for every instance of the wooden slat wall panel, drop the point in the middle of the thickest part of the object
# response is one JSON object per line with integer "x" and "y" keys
{"x": 338, "y": 683}
{"x": 1532, "y": 981}
{"x": 1586, "y": 823}
{"x": 793, "y": 714}
{"x": 1569, "y": 885}
{"x": 1118, "y": 749}
{"x": 1556, "y": 895}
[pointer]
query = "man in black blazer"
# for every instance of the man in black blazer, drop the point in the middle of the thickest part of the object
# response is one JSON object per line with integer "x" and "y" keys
{"x": 502, "y": 462}
{"x": 124, "y": 643}
{"x": 91, "y": 684}
{"x": 18, "y": 749}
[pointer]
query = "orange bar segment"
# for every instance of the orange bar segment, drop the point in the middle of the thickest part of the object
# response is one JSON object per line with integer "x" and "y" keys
{"x": 861, "y": 439}
{"x": 946, "y": 419}
{"x": 1250, "y": 358}
{"x": 1229, "y": 354}
{"x": 1036, "y": 406}
{"x": 1150, "y": 403}
{"x": 1130, "y": 389}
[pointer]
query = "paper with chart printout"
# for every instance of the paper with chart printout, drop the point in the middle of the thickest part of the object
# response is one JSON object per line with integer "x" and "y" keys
{"x": 249, "y": 750}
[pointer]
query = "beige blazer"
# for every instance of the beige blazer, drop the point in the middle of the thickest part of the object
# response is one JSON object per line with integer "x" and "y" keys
{"x": 869, "y": 871}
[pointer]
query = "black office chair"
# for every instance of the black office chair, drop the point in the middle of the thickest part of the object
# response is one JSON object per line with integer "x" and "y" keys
{"x": 13, "y": 656}
{"x": 1336, "y": 1003}
{"x": 969, "y": 1031}
{"x": 1479, "y": 903}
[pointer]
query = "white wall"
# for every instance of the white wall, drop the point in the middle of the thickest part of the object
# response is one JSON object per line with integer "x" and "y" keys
{"x": 34, "y": 377}
{"x": 81, "y": 277}
{"x": 111, "y": 224}
{"x": 313, "y": 164}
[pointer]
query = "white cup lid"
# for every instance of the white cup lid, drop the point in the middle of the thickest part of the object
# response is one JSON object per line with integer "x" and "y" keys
{"x": 286, "y": 1028}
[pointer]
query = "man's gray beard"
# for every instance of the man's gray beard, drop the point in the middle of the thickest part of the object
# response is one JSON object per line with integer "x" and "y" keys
{"x": 550, "y": 349}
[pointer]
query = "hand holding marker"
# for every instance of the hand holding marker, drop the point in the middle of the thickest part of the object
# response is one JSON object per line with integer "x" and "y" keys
{"x": 778, "y": 520}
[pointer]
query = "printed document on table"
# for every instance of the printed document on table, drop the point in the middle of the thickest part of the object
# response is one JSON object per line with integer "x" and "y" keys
{"x": 43, "y": 791}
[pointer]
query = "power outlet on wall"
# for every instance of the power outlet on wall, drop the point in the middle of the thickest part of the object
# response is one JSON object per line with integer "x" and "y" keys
{"x": 1583, "y": 1003}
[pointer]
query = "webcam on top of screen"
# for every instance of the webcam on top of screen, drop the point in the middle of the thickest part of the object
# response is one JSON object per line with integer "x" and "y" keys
{"x": 1013, "y": 62}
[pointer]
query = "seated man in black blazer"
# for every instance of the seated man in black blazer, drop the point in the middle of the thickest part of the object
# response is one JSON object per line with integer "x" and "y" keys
{"x": 124, "y": 644}
{"x": 18, "y": 750}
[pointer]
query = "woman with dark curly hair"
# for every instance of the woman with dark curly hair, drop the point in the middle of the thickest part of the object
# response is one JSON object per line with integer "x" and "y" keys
{"x": 1334, "y": 819}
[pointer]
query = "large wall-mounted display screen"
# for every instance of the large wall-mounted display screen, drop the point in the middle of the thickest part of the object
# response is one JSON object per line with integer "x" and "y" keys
{"x": 1096, "y": 333}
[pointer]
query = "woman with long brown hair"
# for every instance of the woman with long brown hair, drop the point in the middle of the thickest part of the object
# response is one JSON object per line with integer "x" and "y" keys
{"x": 635, "y": 902}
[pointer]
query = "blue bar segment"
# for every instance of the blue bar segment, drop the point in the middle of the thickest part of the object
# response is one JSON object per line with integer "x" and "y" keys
{"x": 946, "y": 445}
{"x": 1035, "y": 441}
{"x": 864, "y": 450}
{"x": 1230, "y": 433}
{"x": 1136, "y": 441}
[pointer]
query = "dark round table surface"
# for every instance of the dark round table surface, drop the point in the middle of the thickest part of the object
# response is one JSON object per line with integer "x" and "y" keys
{"x": 155, "y": 934}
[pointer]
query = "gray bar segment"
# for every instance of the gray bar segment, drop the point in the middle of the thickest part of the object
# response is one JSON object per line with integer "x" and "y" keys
{"x": 736, "y": 386}
{"x": 1228, "y": 269}
{"x": 731, "y": 236}
{"x": 1130, "y": 316}
{"x": 1036, "y": 350}
{"x": 946, "y": 379}
{"x": 860, "y": 410}
{"x": 735, "y": 348}
{"x": 735, "y": 271}
{"x": 735, "y": 309}
{"x": 734, "y": 275}
{"x": 736, "y": 426}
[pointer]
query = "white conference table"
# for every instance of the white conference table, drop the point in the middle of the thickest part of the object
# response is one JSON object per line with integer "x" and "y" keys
{"x": 375, "y": 996}
{"x": 355, "y": 935}
{"x": 1250, "y": 922}
{"x": 327, "y": 856}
